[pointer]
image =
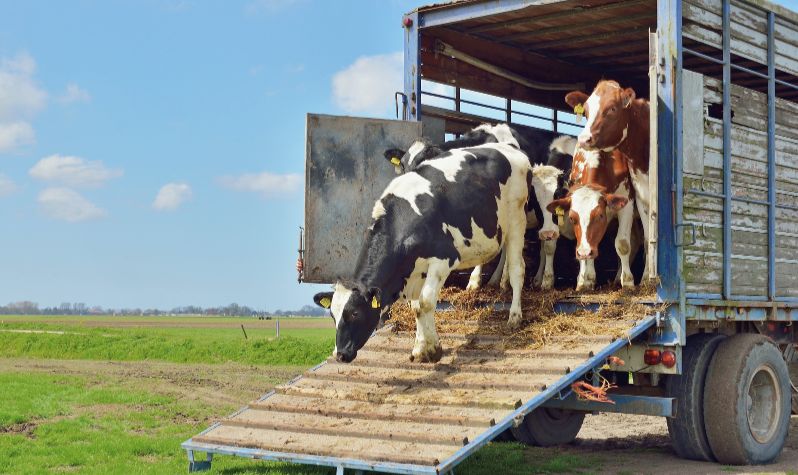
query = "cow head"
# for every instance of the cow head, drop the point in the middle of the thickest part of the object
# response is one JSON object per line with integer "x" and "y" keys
{"x": 403, "y": 161}
{"x": 587, "y": 207}
{"x": 545, "y": 184}
{"x": 608, "y": 111}
{"x": 356, "y": 313}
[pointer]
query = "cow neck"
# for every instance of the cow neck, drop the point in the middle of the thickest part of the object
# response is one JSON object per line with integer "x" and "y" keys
{"x": 610, "y": 172}
{"x": 380, "y": 265}
{"x": 636, "y": 145}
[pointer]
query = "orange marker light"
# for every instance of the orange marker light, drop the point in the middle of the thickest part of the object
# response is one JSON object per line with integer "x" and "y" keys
{"x": 652, "y": 357}
{"x": 668, "y": 359}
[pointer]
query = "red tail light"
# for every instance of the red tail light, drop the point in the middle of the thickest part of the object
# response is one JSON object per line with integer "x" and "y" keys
{"x": 668, "y": 359}
{"x": 652, "y": 357}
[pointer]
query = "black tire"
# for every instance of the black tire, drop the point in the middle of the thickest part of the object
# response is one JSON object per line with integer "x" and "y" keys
{"x": 747, "y": 401}
{"x": 688, "y": 436}
{"x": 545, "y": 427}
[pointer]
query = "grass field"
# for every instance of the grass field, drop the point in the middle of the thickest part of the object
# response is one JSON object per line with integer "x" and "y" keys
{"x": 119, "y": 394}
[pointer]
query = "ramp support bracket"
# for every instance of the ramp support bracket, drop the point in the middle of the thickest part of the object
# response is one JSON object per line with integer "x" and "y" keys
{"x": 199, "y": 466}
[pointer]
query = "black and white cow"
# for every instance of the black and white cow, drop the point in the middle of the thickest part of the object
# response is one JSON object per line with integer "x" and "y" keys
{"x": 542, "y": 149}
{"x": 454, "y": 211}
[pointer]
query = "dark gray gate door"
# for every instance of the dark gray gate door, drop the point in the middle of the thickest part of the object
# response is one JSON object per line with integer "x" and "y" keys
{"x": 345, "y": 173}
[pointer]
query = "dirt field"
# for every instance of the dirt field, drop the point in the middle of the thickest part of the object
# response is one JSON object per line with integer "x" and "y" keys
{"x": 620, "y": 444}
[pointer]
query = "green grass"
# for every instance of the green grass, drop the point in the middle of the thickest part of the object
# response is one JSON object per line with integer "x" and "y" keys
{"x": 296, "y": 346}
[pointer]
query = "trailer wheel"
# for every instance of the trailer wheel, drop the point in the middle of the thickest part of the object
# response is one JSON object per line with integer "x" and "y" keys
{"x": 688, "y": 436}
{"x": 544, "y": 427}
{"x": 747, "y": 403}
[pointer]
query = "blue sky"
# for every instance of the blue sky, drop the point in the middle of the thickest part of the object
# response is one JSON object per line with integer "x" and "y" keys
{"x": 104, "y": 103}
{"x": 151, "y": 152}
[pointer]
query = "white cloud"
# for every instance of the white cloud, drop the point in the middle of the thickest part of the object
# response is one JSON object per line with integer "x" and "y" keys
{"x": 21, "y": 99}
{"x": 266, "y": 184}
{"x": 15, "y": 134}
{"x": 368, "y": 85}
{"x": 74, "y": 93}
{"x": 6, "y": 186}
{"x": 171, "y": 196}
{"x": 73, "y": 171}
{"x": 68, "y": 205}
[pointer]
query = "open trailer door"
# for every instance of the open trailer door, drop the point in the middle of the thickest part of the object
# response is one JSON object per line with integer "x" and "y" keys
{"x": 345, "y": 173}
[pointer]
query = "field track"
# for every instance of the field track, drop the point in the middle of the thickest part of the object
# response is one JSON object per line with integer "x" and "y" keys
{"x": 620, "y": 443}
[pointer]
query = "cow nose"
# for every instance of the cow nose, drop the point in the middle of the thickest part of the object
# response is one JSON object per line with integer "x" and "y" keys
{"x": 343, "y": 357}
{"x": 548, "y": 235}
{"x": 582, "y": 254}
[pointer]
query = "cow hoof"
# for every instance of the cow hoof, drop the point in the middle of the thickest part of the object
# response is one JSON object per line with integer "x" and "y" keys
{"x": 429, "y": 356}
{"x": 628, "y": 283}
{"x": 514, "y": 322}
{"x": 548, "y": 282}
{"x": 584, "y": 286}
{"x": 472, "y": 286}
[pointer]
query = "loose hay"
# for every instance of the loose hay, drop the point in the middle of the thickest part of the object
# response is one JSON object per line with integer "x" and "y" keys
{"x": 473, "y": 314}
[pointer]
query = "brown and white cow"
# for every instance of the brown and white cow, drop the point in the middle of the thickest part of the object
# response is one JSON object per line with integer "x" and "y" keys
{"x": 601, "y": 192}
{"x": 617, "y": 120}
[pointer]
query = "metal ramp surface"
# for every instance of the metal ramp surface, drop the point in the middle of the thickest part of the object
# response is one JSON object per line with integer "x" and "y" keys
{"x": 384, "y": 413}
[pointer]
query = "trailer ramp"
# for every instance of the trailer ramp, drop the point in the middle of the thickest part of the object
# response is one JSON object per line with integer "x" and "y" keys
{"x": 384, "y": 413}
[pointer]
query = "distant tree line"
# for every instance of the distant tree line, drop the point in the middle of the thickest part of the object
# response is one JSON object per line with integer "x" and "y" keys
{"x": 79, "y": 308}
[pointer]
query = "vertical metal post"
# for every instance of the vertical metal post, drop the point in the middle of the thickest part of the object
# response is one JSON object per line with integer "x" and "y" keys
{"x": 457, "y": 98}
{"x": 669, "y": 163}
{"x": 554, "y": 121}
{"x": 508, "y": 111}
{"x": 771, "y": 157}
{"x": 727, "y": 177}
{"x": 412, "y": 72}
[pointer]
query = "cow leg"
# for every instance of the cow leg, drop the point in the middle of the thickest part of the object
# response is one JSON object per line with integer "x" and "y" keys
{"x": 537, "y": 282}
{"x": 475, "y": 281}
{"x": 587, "y": 275}
{"x": 642, "y": 209}
{"x": 495, "y": 279}
{"x": 548, "y": 274}
{"x": 427, "y": 347}
{"x": 623, "y": 244}
{"x": 516, "y": 267}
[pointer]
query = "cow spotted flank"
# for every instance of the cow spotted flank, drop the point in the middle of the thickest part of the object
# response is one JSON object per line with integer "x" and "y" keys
{"x": 453, "y": 211}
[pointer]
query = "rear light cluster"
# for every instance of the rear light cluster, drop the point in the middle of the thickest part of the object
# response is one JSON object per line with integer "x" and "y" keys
{"x": 654, "y": 357}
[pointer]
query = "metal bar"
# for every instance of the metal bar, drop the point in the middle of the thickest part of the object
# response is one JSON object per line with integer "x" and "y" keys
{"x": 562, "y": 384}
{"x": 457, "y": 98}
{"x": 623, "y": 403}
{"x": 771, "y": 157}
{"x": 508, "y": 111}
{"x": 412, "y": 66}
{"x": 669, "y": 171}
{"x": 469, "y": 11}
{"x": 727, "y": 235}
{"x": 653, "y": 177}
{"x": 554, "y": 121}
{"x": 319, "y": 460}
{"x": 749, "y": 71}
{"x": 448, "y": 50}
{"x": 787, "y": 84}
{"x": 702, "y": 55}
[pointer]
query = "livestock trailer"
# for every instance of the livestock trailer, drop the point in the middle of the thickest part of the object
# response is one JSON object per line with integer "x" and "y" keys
{"x": 722, "y": 79}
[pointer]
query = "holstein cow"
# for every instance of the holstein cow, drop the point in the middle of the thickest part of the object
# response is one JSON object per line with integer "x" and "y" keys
{"x": 535, "y": 143}
{"x": 601, "y": 192}
{"x": 454, "y": 211}
{"x": 616, "y": 120}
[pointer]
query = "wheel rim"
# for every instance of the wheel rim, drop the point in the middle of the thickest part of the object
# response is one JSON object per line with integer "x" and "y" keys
{"x": 763, "y": 404}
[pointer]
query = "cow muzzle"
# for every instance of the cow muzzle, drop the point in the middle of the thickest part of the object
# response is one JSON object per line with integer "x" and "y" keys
{"x": 585, "y": 254}
{"x": 548, "y": 235}
{"x": 345, "y": 357}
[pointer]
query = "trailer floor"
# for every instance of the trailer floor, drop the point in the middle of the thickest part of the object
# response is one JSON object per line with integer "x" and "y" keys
{"x": 385, "y": 413}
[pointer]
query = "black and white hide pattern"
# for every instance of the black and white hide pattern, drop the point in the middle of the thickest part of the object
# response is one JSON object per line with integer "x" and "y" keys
{"x": 454, "y": 211}
{"x": 535, "y": 143}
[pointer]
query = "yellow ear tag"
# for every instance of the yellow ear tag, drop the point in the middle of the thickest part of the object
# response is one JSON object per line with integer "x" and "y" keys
{"x": 325, "y": 302}
{"x": 396, "y": 161}
{"x": 560, "y": 216}
{"x": 579, "y": 110}
{"x": 375, "y": 303}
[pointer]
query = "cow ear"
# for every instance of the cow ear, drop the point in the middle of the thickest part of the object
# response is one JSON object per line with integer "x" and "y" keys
{"x": 575, "y": 98}
{"x": 563, "y": 203}
{"x": 323, "y": 299}
{"x": 373, "y": 296}
{"x": 394, "y": 155}
{"x": 616, "y": 202}
{"x": 627, "y": 96}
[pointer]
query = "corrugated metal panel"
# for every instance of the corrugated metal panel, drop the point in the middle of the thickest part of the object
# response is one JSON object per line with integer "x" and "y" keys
{"x": 345, "y": 173}
{"x": 386, "y": 413}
